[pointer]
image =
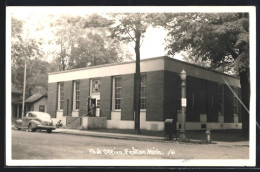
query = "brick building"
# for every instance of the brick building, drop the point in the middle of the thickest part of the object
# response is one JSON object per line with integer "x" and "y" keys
{"x": 210, "y": 102}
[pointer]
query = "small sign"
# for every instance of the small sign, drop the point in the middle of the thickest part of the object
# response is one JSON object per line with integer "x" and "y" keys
{"x": 184, "y": 102}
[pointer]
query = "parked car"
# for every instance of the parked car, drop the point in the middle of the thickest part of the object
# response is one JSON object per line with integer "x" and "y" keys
{"x": 35, "y": 120}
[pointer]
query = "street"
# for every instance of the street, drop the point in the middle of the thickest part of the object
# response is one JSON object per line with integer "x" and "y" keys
{"x": 44, "y": 146}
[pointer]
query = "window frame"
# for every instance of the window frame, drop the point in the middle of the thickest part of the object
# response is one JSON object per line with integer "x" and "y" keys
{"x": 114, "y": 94}
{"x": 75, "y": 96}
{"x": 60, "y": 102}
{"x": 145, "y": 93}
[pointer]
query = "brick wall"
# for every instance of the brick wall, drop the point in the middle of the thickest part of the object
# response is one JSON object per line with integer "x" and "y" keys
{"x": 106, "y": 97}
{"x": 127, "y": 106}
{"x": 52, "y": 99}
{"x": 155, "y": 96}
{"x": 84, "y": 93}
{"x": 68, "y": 91}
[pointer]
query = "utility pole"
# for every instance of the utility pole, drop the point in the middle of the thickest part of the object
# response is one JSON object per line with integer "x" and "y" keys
{"x": 24, "y": 85}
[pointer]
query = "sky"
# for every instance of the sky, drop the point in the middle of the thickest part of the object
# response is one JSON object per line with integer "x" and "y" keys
{"x": 152, "y": 45}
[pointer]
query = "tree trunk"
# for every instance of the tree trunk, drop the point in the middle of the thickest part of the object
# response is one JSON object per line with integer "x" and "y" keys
{"x": 245, "y": 96}
{"x": 137, "y": 81}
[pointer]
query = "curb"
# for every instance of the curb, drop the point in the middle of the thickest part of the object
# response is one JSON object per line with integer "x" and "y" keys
{"x": 113, "y": 135}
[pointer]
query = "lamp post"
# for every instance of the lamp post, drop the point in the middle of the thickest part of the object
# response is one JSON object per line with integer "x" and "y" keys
{"x": 183, "y": 76}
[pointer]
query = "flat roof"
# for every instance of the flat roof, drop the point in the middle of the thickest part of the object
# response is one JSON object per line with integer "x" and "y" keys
{"x": 143, "y": 60}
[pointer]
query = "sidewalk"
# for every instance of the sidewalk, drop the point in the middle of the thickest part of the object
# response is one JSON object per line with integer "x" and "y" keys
{"x": 108, "y": 135}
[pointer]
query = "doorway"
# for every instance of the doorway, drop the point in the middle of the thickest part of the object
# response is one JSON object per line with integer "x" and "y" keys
{"x": 95, "y": 93}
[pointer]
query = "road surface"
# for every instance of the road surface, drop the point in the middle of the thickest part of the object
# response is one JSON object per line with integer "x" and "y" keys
{"x": 44, "y": 146}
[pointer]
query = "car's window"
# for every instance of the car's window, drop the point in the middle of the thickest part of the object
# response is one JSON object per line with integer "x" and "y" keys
{"x": 29, "y": 115}
{"x": 33, "y": 115}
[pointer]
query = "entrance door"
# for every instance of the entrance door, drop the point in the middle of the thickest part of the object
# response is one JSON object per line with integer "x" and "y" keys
{"x": 97, "y": 97}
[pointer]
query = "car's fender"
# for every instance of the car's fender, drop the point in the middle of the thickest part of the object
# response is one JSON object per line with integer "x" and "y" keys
{"x": 18, "y": 123}
{"x": 34, "y": 123}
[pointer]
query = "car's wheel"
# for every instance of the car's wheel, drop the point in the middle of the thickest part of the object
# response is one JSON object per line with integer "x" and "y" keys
{"x": 49, "y": 131}
{"x": 30, "y": 129}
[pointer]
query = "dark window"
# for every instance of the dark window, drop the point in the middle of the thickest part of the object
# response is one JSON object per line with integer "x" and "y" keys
{"x": 178, "y": 93}
{"x": 41, "y": 108}
{"x": 220, "y": 98}
{"x": 235, "y": 102}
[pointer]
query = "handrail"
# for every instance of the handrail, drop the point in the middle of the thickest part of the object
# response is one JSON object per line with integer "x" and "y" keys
{"x": 89, "y": 112}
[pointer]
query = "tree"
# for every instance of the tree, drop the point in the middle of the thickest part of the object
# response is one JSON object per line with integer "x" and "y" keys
{"x": 81, "y": 47}
{"x": 96, "y": 49}
{"x": 219, "y": 38}
{"x": 127, "y": 27}
{"x": 25, "y": 48}
{"x": 66, "y": 31}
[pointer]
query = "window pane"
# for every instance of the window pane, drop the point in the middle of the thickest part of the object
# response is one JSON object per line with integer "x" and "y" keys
{"x": 61, "y": 95}
{"x": 143, "y": 91}
{"x": 77, "y": 94}
{"x": 118, "y": 92}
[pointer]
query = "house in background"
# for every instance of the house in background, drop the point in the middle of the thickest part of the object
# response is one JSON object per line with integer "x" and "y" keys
{"x": 36, "y": 102}
{"x": 17, "y": 97}
{"x": 210, "y": 102}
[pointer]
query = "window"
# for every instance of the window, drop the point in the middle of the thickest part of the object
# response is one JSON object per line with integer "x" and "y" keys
{"x": 98, "y": 103}
{"x": 193, "y": 100}
{"x": 143, "y": 92}
{"x": 220, "y": 98}
{"x": 76, "y": 95}
{"x": 235, "y": 102}
{"x": 178, "y": 93}
{"x": 61, "y": 96}
{"x": 118, "y": 92}
{"x": 41, "y": 108}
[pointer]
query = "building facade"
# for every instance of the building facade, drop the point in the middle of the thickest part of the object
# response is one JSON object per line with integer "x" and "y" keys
{"x": 17, "y": 96}
{"x": 210, "y": 101}
{"x": 36, "y": 102}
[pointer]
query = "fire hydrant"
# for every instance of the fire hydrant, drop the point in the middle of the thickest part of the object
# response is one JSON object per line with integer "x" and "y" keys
{"x": 208, "y": 134}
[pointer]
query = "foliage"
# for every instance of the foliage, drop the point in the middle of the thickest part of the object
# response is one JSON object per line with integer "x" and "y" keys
{"x": 80, "y": 47}
{"x": 24, "y": 48}
{"x": 127, "y": 27}
{"x": 221, "y": 38}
